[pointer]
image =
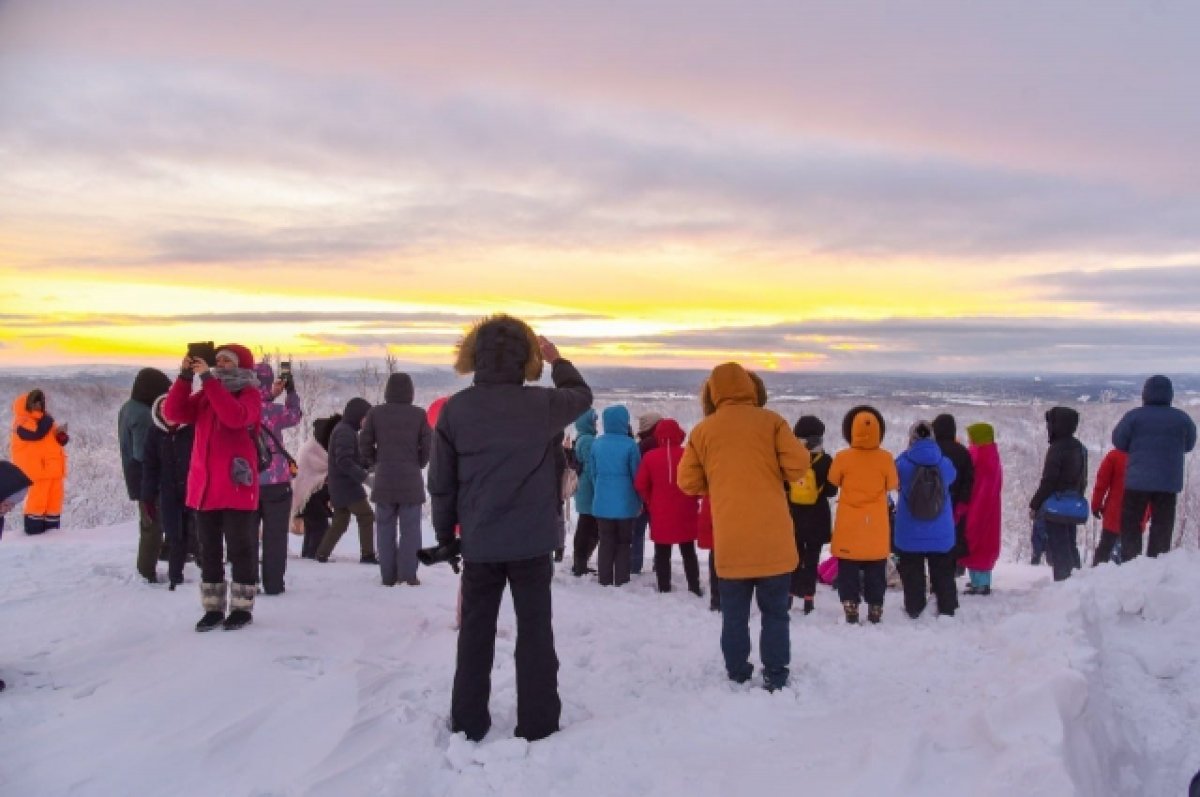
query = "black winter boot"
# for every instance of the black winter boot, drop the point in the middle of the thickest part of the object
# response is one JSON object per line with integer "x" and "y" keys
{"x": 875, "y": 613}
{"x": 209, "y": 621}
{"x": 809, "y": 606}
{"x": 237, "y": 619}
{"x": 241, "y": 599}
{"x": 851, "y": 610}
{"x": 213, "y": 599}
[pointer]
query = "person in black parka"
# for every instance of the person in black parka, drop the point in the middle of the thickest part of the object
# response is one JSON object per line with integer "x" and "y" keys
{"x": 1065, "y": 470}
{"x": 347, "y": 495}
{"x": 813, "y": 523}
{"x": 945, "y": 433}
{"x": 493, "y": 474}
{"x": 165, "y": 461}
{"x": 394, "y": 441}
{"x": 133, "y": 424}
{"x": 1156, "y": 436}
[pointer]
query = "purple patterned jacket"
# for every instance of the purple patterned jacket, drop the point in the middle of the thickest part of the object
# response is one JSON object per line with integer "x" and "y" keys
{"x": 277, "y": 417}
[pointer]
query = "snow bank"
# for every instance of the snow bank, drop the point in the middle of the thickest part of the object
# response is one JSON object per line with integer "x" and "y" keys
{"x": 341, "y": 687}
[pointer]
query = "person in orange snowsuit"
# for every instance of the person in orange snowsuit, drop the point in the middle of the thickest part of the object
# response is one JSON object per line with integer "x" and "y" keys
{"x": 38, "y": 445}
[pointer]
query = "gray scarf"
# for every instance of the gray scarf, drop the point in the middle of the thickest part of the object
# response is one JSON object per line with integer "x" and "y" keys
{"x": 234, "y": 379}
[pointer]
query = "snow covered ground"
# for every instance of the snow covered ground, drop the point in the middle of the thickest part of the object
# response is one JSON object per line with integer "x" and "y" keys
{"x": 341, "y": 687}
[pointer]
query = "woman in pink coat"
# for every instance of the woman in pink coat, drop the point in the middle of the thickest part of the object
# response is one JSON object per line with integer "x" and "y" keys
{"x": 983, "y": 511}
{"x": 226, "y": 410}
{"x": 673, "y": 513}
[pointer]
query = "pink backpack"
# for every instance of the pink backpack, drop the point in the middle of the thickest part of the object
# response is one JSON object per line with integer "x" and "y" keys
{"x": 827, "y": 571}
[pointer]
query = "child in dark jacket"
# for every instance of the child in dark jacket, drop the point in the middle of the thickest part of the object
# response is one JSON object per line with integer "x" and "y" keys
{"x": 165, "y": 461}
{"x": 812, "y": 519}
{"x": 1065, "y": 470}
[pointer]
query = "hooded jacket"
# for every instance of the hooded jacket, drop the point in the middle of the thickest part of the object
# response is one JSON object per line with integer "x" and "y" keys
{"x": 740, "y": 455}
{"x": 945, "y": 432}
{"x": 277, "y": 417}
{"x": 166, "y": 461}
{"x": 34, "y": 445}
{"x": 1065, "y": 468}
{"x": 1156, "y": 436}
{"x": 912, "y": 534}
{"x": 613, "y": 460}
{"x": 347, "y": 468}
{"x": 492, "y": 467}
{"x": 983, "y": 511}
{"x": 673, "y": 513}
{"x": 585, "y": 428}
{"x": 864, "y": 473}
{"x": 133, "y": 423}
{"x": 395, "y": 441}
{"x": 223, "y": 473}
{"x": 313, "y": 467}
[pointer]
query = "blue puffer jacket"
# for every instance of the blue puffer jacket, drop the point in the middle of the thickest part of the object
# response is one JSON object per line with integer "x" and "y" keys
{"x": 585, "y": 426}
{"x": 614, "y": 460}
{"x": 924, "y": 536}
{"x": 1156, "y": 436}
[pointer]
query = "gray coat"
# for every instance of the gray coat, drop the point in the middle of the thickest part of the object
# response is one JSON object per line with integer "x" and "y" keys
{"x": 395, "y": 442}
{"x": 347, "y": 471}
{"x": 1157, "y": 436}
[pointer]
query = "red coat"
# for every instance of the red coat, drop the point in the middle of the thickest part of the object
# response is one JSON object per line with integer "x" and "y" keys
{"x": 673, "y": 513}
{"x": 983, "y": 510}
{"x": 1109, "y": 491}
{"x": 224, "y": 424}
{"x": 704, "y": 524}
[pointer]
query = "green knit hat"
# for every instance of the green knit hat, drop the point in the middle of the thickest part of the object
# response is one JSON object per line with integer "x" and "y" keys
{"x": 981, "y": 433}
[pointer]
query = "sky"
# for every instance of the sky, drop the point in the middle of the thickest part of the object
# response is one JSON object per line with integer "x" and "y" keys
{"x": 859, "y": 186}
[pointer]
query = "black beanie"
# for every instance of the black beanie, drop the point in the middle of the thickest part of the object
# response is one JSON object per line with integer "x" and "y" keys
{"x": 149, "y": 384}
{"x": 809, "y": 426}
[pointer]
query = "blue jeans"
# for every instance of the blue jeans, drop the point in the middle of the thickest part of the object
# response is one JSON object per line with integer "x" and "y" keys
{"x": 774, "y": 643}
{"x": 637, "y": 547}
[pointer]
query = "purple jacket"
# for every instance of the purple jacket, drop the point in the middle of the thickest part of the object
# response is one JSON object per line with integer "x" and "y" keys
{"x": 276, "y": 418}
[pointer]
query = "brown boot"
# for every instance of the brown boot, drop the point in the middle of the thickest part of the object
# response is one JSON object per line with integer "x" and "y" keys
{"x": 851, "y": 609}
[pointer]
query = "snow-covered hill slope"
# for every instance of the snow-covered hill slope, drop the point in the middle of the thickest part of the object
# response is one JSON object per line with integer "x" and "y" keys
{"x": 341, "y": 687}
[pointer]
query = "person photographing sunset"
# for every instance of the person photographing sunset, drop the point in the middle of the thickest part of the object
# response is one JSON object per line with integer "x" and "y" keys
{"x": 223, "y": 483}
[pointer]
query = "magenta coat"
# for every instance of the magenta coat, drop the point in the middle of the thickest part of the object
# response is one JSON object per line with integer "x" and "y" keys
{"x": 673, "y": 513}
{"x": 983, "y": 511}
{"x": 224, "y": 424}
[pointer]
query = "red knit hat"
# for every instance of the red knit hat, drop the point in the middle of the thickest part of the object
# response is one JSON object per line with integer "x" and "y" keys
{"x": 244, "y": 357}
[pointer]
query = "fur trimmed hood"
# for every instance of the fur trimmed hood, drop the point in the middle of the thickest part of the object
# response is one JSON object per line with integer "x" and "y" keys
{"x": 728, "y": 383}
{"x": 500, "y": 349}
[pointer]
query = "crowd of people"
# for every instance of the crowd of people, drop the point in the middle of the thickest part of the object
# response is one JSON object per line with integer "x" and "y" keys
{"x": 203, "y": 458}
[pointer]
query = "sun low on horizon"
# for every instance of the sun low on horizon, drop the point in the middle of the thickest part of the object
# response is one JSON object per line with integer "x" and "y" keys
{"x": 801, "y": 187}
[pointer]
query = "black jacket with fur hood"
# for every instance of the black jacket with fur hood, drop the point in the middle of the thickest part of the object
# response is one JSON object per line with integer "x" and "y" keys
{"x": 492, "y": 470}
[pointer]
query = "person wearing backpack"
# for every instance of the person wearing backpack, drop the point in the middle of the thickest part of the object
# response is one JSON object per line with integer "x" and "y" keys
{"x": 222, "y": 484}
{"x": 1065, "y": 472}
{"x": 275, "y": 495}
{"x": 925, "y": 533}
{"x": 808, "y": 501}
{"x": 587, "y": 536}
{"x": 613, "y": 461}
{"x": 983, "y": 510}
{"x": 347, "y": 495}
{"x": 864, "y": 473}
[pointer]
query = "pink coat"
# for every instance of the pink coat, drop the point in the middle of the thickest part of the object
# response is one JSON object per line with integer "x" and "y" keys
{"x": 983, "y": 510}
{"x": 224, "y": 424}
{"x": 673, "y": 513}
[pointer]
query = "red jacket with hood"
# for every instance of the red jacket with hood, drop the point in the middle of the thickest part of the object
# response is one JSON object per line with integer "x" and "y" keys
{"x": 673, "y": 513}
{"x": 225, "y": 424}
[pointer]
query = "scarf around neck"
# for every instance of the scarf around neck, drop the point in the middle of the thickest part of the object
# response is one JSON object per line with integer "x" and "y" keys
{"x": 234, "y": 379}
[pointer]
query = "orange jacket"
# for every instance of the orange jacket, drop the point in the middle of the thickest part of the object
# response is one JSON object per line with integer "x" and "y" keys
{"x": 740, "y": 456}
{"x": 40, "y": 459}
{"x": 864, "y": 473}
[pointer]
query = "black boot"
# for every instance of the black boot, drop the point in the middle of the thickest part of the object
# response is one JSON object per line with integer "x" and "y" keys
{"x": 241, "y": 600}
{"x": 237, "y": 619}
{"x": 851, "y": 610}
{"x": 874, "y": 613}
{"x": 209, "y": 621}
{"x": 809, "y": 606}
{"x": 369, "y": 560}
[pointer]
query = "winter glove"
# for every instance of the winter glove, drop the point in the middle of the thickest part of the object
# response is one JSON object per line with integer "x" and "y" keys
{"x": 444, "y": 552}
{"x": 62, "y": 437}
{"x": 1098, "y": 514}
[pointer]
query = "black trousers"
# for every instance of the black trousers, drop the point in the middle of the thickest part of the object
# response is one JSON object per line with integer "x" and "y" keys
{"x": 1162, "y": 522}
{"x": 1063, "y": 548}
{"x": 538, "y": 704}
{"x": 858, "y": 579}
{"x": 587, "y": 536}
{"x": 614, "y": 553}
{"x": 714, "y": 589}
{"x": 1104, "y": 548}
{"x": 804, "y": 579}
{"x": 691, "y": 566}
{"x": 941, "y": 577}
{"x": 232, "y": 529}
{"x": 274, "y": 513}
{"x": 179, "y": 529}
